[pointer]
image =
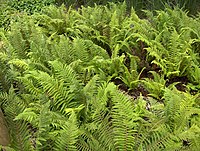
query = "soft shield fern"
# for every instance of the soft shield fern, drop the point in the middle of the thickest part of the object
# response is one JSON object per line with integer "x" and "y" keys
{"x": 101, "y": 79}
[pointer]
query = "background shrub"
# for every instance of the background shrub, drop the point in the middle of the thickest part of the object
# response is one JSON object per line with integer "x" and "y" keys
{"x": 29, "y": 6}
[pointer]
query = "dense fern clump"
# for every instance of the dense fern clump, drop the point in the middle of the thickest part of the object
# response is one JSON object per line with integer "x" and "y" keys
{"x": 101, "y": 79}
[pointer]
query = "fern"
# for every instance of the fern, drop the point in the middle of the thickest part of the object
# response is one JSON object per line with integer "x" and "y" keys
{"x": 59, "y": 89}
{"x": 182, "y": 108}
{"x": 58, "y": 69}
{"x": 71, "y": 132}
{"x": 155, "y": 86}
{"x": 19, "y": 131}
{"x": 124, "y": 123}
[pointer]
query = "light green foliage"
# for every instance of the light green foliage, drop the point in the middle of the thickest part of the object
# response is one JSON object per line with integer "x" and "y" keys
{"x": 20, "y": 134}
{"x": 69, "y": 80}
{"x": 155, "y": 86}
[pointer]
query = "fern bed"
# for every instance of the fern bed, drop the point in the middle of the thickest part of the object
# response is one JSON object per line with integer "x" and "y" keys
{"x": 101, "y": 79}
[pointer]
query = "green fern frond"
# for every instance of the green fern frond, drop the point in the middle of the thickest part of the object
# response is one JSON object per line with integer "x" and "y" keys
{"x": 155, "y": 86}
{"x": 124, "y": 121}
{"x": 19, "y": 132}
{"x": 68, "y": 136}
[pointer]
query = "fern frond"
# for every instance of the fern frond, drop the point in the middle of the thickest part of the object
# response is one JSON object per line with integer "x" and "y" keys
{"x": 124, "y": 121}
{"x": 155, "y": 86}
{"x": 18, "y": 130}
{"x": 68, "y": 136}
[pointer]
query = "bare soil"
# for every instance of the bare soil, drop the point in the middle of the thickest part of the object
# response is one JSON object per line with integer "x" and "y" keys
{"x": 4, "y": 135}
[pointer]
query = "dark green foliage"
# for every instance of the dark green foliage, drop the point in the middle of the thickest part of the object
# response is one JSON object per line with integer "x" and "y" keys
{"x": 138, "y": 5}
{"x": 29, "y": 6}
{"x": 11, "y": 10}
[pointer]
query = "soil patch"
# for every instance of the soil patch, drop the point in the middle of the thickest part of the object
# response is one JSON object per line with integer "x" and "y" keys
{"x": 4, "y": 135}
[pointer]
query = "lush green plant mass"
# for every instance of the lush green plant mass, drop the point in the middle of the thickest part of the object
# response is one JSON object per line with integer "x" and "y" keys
{"x": 101, "y": 79}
